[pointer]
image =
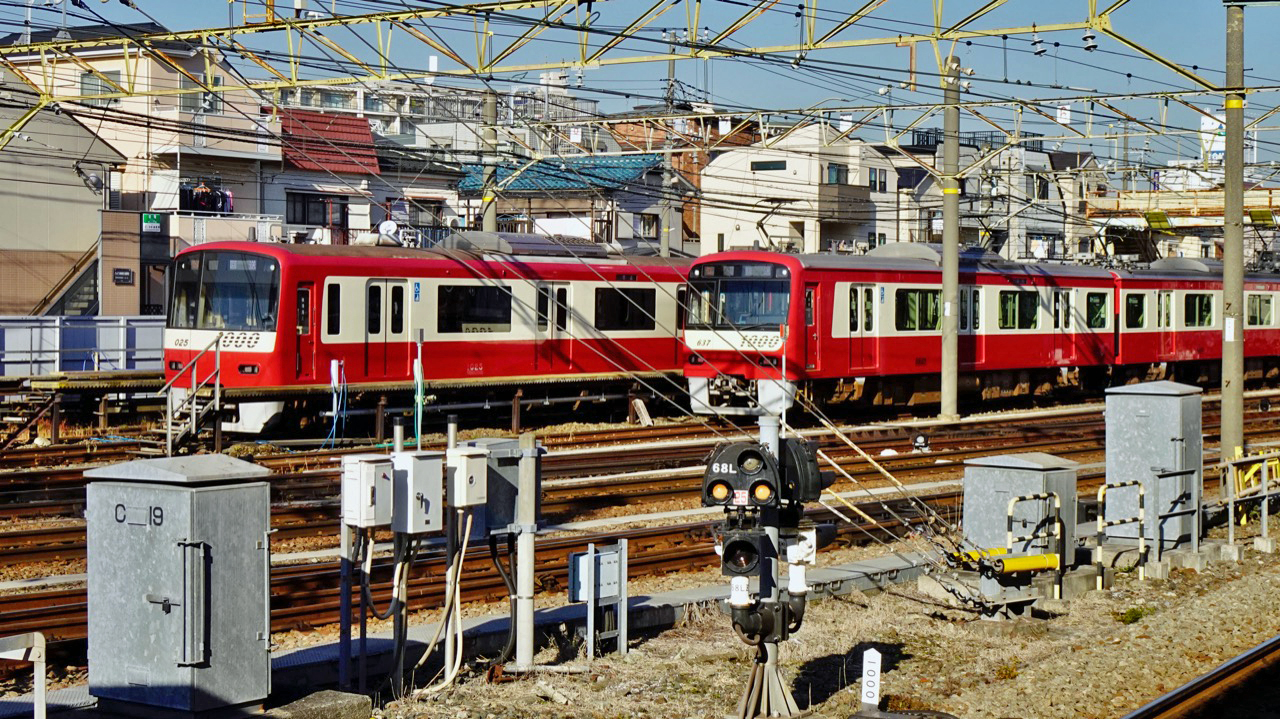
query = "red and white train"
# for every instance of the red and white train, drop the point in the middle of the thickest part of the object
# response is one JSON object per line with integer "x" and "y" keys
{"x": 489, "y": 311}
{"x": 763, "y": 326}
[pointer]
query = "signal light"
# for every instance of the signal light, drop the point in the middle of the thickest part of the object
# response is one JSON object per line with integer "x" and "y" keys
{"x": 718, "y": 493}
{"x": 761, "y": 493}
{"x": 741, "y": 475}
{"x": 741, "y": 551}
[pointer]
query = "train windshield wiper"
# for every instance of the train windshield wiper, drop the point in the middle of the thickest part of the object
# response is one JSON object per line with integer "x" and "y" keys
{"x": 757, "y": 326}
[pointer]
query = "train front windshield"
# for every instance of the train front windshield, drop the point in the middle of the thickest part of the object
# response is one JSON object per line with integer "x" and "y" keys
{"x": 743, "y": 296}
{"x": 225, "y": 291}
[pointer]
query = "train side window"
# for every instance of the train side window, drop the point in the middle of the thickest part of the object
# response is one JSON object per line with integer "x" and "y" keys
{"x": 1260, "y": 314}
{"x": 1095, "y": 310}
{"x": 333, "y": 308}
{"x": 1019, "y": 310}
{"x": 854, "y": 317}
{"x": 808, "y": 307}
{"x": 373, "y": 309}
{"x": 1164, "y": 309}
{"x": 625, "y": 309}
{"x": 1135, "y": 311}
{"x": 397, "y": 309}
{"x": 964, "y": 310}
{"x": 471, "y": 308}
{"x": 1197, "y": 310}
{"x": 304, "y": 310}
{"x": 977, "y": 308}
{"x": 917, "y": 309}
{"x": 868, "y": 308}
{"x": 562, "y": 309}
{"x": 1061, "y": 310}
{"x": 682, "y": 301}
{"x": 544, "y": 308}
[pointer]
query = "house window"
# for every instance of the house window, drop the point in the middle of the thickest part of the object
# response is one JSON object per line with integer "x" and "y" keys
{"x": 872, "y": 175}
{"x": 646, "y": 225}
{"x": 768, "y": 165}
{"x": 837, "y": 174}
{"x": 319, "y": 210}
{"x": 91, "y": 84}
{"x": 883, "y": 181}
{"x": 206, "y": 102}
{"x": 1042, "y": 188}
{"x": 337, "y": 100}
{"x": 373, "y": 103}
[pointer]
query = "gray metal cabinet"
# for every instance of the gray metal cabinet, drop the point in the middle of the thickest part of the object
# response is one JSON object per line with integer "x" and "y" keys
{"x": 1154, "y": 427}
{"x": 178, "y": 583}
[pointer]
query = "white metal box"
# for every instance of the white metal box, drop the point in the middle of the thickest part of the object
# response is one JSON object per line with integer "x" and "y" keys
{"x": 468, "y": 470}
{"x": 366, "y": 490}
{"x": 418, "y": 489}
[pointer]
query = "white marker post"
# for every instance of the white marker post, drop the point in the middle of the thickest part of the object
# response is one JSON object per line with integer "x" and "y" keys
{"x": 871, "y": 680}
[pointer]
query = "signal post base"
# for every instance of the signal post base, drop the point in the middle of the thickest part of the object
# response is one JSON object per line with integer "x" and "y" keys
{"x": 766, "y": 694}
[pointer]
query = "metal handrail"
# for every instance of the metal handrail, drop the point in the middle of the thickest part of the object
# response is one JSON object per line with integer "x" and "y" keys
{"x": 1141, "y": 520}
{"x": 191, "y": 364}
{"x": 65, "y": 281}
{"x": 30, "y": 647}
{"x": 214, "y": 377}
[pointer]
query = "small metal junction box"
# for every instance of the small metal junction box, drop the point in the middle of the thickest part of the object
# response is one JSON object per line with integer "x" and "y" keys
{"x": 1154, "y": 428}
{"x": 179, "y": 563}
{"x": 503, "y": 489}
{"x": 992, "y": 488}
{"x": 366, "y": 490}
{"x": 419, "y": 490}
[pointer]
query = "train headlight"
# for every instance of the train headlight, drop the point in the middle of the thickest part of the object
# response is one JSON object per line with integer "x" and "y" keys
{"x": 248, "y": 369}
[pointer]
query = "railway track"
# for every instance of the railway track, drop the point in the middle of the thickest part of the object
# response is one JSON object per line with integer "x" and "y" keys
{"x": 1211, "y": 694}
{"x": 304, "y": 596}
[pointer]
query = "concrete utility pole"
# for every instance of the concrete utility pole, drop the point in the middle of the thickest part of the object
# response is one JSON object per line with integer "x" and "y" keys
{"x": 489, "y": 134}
{"x": 669, "y": 209}
{"x": 1232, "y": 435}
{"x": 950, "y": 238}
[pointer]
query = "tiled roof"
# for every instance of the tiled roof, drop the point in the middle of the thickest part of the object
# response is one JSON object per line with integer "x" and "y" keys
{"x": 569, "y": 173}
{"x": 334, "y": 143}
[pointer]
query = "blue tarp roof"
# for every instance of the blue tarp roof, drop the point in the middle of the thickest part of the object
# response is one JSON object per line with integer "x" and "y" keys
{"x": 569, "y": 173}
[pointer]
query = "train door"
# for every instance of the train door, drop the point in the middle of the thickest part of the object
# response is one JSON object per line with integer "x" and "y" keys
{"x": 862, "y": 341}
{"x": 811, "y": 331}
{"x": 386, "y": 335}
{"x": 398, "y": 355}
{"x": 375, "y": 330}
{"x": 554, "y": 353}
{"x": 1164, "y": 324}
{"x": 1064, "y": 348}
{"x": 305, "y": 357}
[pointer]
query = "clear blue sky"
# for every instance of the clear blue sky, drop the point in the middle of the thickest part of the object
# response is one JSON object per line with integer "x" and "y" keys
{"x": 1190, "y": 33}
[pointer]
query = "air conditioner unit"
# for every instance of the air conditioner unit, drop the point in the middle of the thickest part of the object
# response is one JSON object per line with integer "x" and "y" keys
{"x": 318, "y": 235}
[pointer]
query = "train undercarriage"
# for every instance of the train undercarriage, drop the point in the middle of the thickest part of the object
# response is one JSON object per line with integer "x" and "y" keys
{"x": 734, "y": 395}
